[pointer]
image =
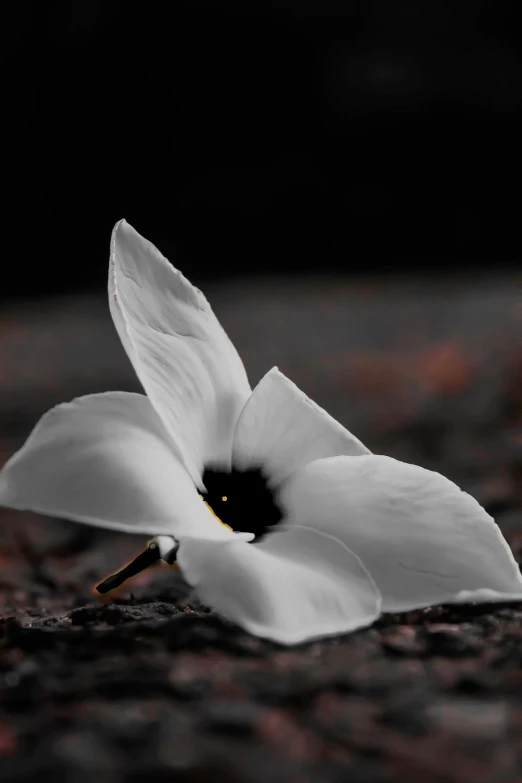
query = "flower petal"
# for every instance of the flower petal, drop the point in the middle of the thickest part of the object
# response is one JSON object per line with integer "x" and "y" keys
{"x": 423, "y": 540}
{"x": 189, "y": 368}
{"x": 281, "y": 429}
{"x": 105, "y": 459}
{"x": 295, "y": 585}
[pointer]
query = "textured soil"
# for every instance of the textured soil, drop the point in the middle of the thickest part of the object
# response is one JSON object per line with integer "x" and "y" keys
{"x": 150, "y": 683}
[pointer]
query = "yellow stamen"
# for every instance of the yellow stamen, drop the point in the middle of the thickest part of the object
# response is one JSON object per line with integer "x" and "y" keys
{"x": 218, "y": 519}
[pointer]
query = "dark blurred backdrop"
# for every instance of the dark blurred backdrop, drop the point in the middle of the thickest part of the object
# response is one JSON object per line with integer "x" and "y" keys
{"x": 246, "y": 136}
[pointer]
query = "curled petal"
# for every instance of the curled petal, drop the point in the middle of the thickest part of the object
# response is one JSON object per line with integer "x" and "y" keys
{"x": 423, "y": 540}
{"x": 281, "y": 429}
{"x": 186, "y": 363}
{"x": 105, "y": 459}
{"x": 295, "y": 585}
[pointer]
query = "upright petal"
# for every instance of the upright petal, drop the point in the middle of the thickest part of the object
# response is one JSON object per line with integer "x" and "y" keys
{"x": 423, "y": 540}
{"x": 105, "y": 459}
{"x": 281, "y": 429}
{"x": 296, "y": 585}
{"x": 186, "y": 363}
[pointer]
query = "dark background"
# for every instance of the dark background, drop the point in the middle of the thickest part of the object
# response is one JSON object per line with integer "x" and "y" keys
{"x": 247, "y": 136}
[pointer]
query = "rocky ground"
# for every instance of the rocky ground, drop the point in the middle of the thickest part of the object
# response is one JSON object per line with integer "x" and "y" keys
{"x": 149, "y": 683}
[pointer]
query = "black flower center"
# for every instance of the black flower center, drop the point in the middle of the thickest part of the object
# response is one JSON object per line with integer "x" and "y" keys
{"x": 242, "y": 500}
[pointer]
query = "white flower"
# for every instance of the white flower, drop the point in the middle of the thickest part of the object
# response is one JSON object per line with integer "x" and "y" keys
{"x": 355, "y": 533}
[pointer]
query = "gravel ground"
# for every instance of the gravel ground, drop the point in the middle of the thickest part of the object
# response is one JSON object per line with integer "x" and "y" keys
{"x": 151, "y": 683}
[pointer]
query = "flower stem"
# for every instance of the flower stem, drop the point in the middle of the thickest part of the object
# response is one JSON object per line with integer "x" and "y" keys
{"x": 140, "y": 563}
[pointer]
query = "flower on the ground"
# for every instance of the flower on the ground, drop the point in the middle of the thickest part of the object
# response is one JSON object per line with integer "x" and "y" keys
{"x": 319, "y": 535}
